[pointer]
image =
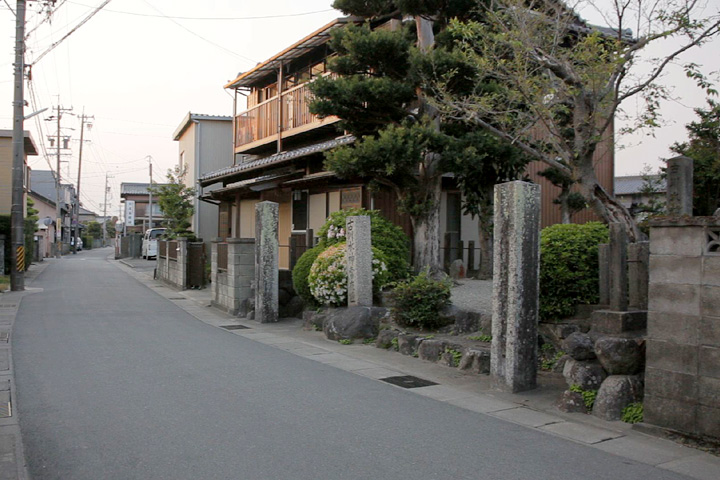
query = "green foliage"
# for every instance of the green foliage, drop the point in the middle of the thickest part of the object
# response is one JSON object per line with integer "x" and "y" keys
{"x": 87, "y": 243}
{"x": 548, "y": 360}
{"x": 394, "y": 343}
{"x": 633, "y": 413}
{"x": 418, "y": 301}
{"x": 569, "y": 267}
{"x": 456, "y": 355}
{"x": 176, "y": 201}
{"x": 5, "y": 230}
{"x": 302, "y": 270}
{"x": 480, "y": 338}
{"x": 94, "y": 229}
{"x": 703, "y": 147}
{"x": 368, "y": 341}
{"x": 345, "y": 341}
{"x": 387, "y": 237}
{"x": 588, "y": 395}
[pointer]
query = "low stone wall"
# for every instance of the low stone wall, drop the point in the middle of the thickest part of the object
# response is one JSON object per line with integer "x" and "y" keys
{"x": 682, "y": 390}
{"x": 172, "y": 268}
{"x": 231, "y": 287}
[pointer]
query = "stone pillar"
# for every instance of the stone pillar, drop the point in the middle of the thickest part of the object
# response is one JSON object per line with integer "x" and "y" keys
{"x": 471, "y": 257}
{"x": 181, "y": 262}
{"x": 604, "y": 273}
{"x": 516, "y": 286}
{"x": 358, "y": 258}
{"x": 266, "y": 262}
{"x": 618, "y": 268}
{"x": 214, "y": 290}
{"x": 638, "y": 260}
{"x": 680, "y": 186}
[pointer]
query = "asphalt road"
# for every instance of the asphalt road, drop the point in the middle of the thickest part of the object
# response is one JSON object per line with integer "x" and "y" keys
{"x": 116, "y": 382}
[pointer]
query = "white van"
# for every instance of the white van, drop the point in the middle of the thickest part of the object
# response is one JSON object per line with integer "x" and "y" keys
{"x": 149, "y": 244}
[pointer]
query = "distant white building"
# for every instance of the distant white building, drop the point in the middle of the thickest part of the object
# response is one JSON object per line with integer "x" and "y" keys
{"x": 632, "y": 191}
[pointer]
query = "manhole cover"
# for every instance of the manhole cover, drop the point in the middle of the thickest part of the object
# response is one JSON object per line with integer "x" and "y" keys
{"x": 177, "y": 298}
{"x": 234, "y": 327}
{"x": 408, "y": 381}
{"x": 8, "y": 305}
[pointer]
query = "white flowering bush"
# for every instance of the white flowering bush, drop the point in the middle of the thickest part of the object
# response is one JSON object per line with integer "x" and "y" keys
{"x": 328, "y": 278}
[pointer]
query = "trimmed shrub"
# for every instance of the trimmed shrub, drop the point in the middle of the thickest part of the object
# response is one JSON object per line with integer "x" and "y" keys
{"x": 302, "y": 270}
{"x": 569, "y": 267}
{"x": 419, "y": 300}
{"x": 328, "y": 277}
{"x": 386, "y": 236}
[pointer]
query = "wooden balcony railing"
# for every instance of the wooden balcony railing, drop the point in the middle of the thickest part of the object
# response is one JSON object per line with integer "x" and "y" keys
{"x": 261, "y": 121}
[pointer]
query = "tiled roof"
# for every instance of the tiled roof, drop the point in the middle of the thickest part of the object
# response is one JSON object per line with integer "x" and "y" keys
{"x": 634, "y": 184}
{"x": 136, "y": 188}
{"x": 274, "y": 159}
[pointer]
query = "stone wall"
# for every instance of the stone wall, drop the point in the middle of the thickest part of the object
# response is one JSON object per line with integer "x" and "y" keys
{"x": 173, "y": 271}
{"x": 231, "y": 288}
{"x": 682, "y": 390}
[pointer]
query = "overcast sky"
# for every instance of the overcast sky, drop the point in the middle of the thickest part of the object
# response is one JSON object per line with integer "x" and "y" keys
{"x": 140, "y": 66}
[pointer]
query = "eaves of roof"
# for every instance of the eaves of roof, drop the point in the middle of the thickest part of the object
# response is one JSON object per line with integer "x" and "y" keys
{"x": 273, "y": 160}
{"x": 314, "y": 40}
{"x": 194, "y": 117}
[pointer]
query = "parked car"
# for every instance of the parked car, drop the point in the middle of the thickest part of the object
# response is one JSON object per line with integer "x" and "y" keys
{"x": 149, "y": 244}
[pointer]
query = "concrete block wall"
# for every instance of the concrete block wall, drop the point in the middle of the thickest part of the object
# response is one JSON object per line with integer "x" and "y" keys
{"x": 682, "y": 377}
{"x": 174, "y": 271}
{"x": 230, "y": 289}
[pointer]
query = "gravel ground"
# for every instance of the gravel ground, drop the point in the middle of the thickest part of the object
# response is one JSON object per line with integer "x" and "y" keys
{"x": 473, "y": 295}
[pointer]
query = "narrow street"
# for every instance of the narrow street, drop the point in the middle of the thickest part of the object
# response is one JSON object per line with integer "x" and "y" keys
{"x": 117, "y": 382}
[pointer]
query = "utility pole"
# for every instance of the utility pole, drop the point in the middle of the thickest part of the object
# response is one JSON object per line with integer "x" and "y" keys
{"x": 150, "y": 192}
{"x": 17, "y": 267}
{"x": 104, "y": 229}
{"x": 76, "y": 230}
{"x": 58, "y": 210}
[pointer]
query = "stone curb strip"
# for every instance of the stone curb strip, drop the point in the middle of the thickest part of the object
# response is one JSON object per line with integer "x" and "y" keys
{"x": 12, "y": 456}
{"x": 616, "y": 437}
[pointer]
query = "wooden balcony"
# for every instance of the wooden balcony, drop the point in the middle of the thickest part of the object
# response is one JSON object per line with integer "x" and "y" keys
{"x": 285, "y": 115}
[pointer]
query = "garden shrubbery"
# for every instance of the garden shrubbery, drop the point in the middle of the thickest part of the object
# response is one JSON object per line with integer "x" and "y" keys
{"x": 569, "y": 267}
{"x": 418, "y": 301}
{"x": 302, "y": 270}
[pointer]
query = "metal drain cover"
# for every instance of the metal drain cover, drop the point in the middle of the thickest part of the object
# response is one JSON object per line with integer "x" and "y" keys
{"x": 234, "y": 327}
{"x": 8, "y": 305}
{"x": 5, "y": 406}
{"x": 408, "y": 381}
{"x": 177, "y": 298}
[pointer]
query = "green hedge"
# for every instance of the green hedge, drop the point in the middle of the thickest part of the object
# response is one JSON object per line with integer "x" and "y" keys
{"x": 419, "y": 300}
{"x": 569, "y": 267}
{"x": 302, "y": 270}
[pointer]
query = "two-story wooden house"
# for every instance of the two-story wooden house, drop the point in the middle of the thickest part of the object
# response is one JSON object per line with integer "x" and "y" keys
{"x": 279, "y": 145}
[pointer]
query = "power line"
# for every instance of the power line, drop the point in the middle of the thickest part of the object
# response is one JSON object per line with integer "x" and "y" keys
{"x": 200, "y": 36}
{"x": 260, "y": 17}
{"x": 83, "y": 22}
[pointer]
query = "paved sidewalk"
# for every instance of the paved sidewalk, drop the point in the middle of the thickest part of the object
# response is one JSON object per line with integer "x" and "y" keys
{"x": 534, "y": 410}
{"x": 12, "y": 458}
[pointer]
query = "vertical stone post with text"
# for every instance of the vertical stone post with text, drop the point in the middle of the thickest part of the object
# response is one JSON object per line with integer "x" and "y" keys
{"x": 680, "y": 186}
{"x": 513, "y": 361}
{"x": 266, "y": 262}
{"x": 358, "y": 258}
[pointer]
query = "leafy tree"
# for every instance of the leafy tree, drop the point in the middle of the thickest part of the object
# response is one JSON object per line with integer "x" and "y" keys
{"x": 703, "y": 147}
{"x": 378, "y": 96}
{"x": 176, "y": 202}
{"x": 558, "y": 83}
{"x": 570, "y": 202}
{"x": 29, "y": 229}
{"x": 110, "y": 228}
{"x": 94, "y": 229}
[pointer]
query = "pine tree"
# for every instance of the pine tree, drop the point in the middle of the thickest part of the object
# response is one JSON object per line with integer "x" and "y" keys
{"x": 176, "y": 203}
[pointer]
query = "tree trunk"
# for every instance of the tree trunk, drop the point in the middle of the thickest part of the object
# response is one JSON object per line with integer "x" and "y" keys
{"x": 605, "y": 205}
{"x": 564, "y": 208}
{"x": 426, "y": 232}
{"x": 485, "y": 242}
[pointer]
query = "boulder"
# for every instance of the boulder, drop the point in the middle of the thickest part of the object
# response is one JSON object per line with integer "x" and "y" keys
{"x": 462, "y": 321}
{"x": 293, "y": 308}
{"x": 572, "y": 402}
{"x": 385, "y": 338}
{"x": 283, "y": 297}
{"x": 407, "y": 344}
{"x": 579, "y": 346}
{"x": 616, "y": 393}
{"x": 350, "y": 323}
{"x": 620, "y": 356}
{"x": 314, "y": 320}
{"x": 560, "y": 364}
{"x": 475, "y": 360}
{"x": 587, "y": 374}
{"x": 431, "y": 350}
